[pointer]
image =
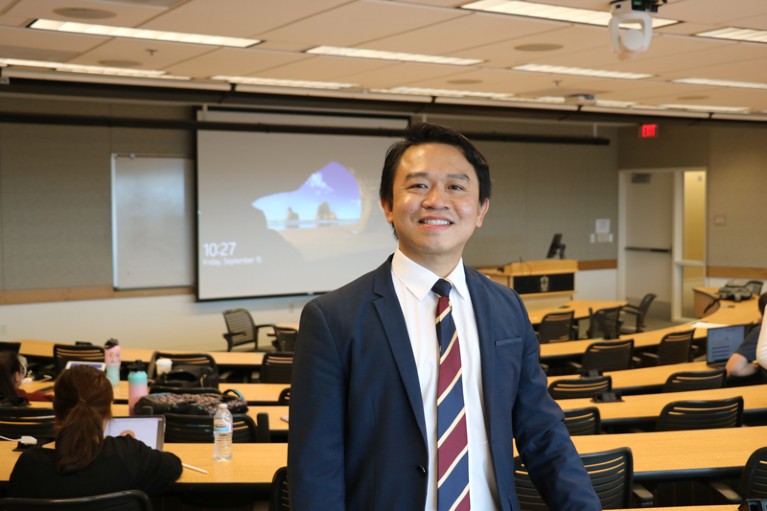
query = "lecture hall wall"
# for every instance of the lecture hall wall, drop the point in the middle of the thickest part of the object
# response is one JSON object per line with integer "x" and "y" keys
{"x": 56, "y": 234}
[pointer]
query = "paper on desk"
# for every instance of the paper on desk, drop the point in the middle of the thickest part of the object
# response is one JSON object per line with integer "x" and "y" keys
{"x": 706, "y": 325}
{"x": 284, "y": 417}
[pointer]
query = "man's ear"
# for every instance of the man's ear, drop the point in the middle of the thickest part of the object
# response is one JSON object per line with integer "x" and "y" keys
{"x": 386, "y": 206}
{"x": 482, "y": 212}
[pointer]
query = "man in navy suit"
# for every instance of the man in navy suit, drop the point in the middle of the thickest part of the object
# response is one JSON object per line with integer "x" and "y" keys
{"x": 363, "y": 412}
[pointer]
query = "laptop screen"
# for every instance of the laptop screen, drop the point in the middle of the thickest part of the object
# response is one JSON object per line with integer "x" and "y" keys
{"x": 96, "y": 365}
{"x": 150, "y": 429}
{"x": 722, "y": 342}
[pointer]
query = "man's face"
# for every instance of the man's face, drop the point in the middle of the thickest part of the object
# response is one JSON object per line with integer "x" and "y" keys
{"x": 435, "y": 206}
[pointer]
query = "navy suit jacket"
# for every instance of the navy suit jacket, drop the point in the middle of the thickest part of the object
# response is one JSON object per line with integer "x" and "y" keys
{"x": 357, "y": 428}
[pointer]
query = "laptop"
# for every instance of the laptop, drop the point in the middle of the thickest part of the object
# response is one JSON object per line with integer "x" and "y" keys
{"x": 96, "y": 365}
{"x": 150, "y": 429}
{"x": 722, "y": 342}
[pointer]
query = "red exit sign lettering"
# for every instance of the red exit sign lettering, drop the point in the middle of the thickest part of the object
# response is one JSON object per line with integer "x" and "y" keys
{"x": 648, "y": 131}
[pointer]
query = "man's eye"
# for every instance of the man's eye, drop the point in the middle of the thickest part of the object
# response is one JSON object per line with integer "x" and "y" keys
{"x": 417, "y": 185}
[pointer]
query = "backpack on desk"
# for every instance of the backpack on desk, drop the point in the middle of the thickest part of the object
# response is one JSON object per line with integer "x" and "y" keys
{"x": 190, "y": 404}
{"x": 190, "y": 375}
{"x": 735, "y": 290}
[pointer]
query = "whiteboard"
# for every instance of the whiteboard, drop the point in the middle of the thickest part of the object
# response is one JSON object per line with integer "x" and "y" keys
{"x": 152, "y": 222}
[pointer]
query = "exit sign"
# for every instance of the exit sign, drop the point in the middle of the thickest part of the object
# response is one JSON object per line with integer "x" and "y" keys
{"x": 648, "y": 131}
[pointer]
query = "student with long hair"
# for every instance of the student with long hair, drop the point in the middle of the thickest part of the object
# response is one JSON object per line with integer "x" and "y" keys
{"x": 13, "y": 368}
{"x": 84, "y": 462}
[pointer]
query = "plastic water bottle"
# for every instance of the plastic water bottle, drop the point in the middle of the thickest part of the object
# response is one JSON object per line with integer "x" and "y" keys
{"x": 112, "y": 360}
{"x": 137, "y": 384}
{"x": 222, "y": 434}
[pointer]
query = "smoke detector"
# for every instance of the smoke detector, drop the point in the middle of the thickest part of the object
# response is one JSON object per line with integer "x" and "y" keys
{"x": 581, "y": 99}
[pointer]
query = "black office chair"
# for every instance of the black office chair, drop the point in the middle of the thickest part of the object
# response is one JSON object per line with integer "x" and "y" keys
{"x": 640, "y": 314}
{"x": 580, "y": 387}
{"x": 606, "y": 356}
{"x": 279, "y": 495}
{"x": 198, "y": 429}
{"x": 284, "y": 398}
{"x": 583, "y": 421}
{"x": 556, "y": 326}
{"x": 277, "y": 367}
{"x": 16, "y": 421}
{"x": 752, "y": 484}
{"x": 674, "y": 348}
{"x": 127, "y": 500}
{"x": 241, "y": 329}
{"x": 63, "y": 353}
{"x": 158, "y": 388}
{"x": 10, "y": 346}
{"x": 611, "y": 473}
{"x": 694, "y": 380}
{"x": 701, "y": 414}
{"x": 285, "y": 338}
{"x": 604, "y": 323}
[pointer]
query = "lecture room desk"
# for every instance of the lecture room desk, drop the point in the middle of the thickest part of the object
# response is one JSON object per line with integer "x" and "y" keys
{"x": 254, "y": 393}
{"x": 580, "y": 309}
{"x": 647, "y": 407}
{"x": 44, "y": 349}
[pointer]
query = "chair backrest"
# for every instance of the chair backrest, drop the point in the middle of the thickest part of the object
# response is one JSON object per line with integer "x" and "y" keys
{"x": 240, "y": 328}
{"x": 284, "y": 398}
{"x": 694, "y": 380}
{"x": 556, "y": 326}
{"x": 127, "y": 500}
{"x": 702, "y": 414}
{"x": 285, "y": 338}
{"x": 608, "y": 355}
{"x": 203, "y": 359}
{"x": 583, "y": 421}
{"x": 279, "y": 494}
{"x": 580, "y": 387}
{"x": 198, "y": 429}
{"x": 63, "y": 353}
{"x": 642, "y": 308}
{"x": 10, "y": 346}
{"x": 158, "y": 388}
{"x": 605, "y": 323}
{"x": 675, "y": 347}
{"x": 611, "y": 473}
{"x": 753, "y": 481}
{"x": 277, "y": 367}
{"x": 16, "y": 421}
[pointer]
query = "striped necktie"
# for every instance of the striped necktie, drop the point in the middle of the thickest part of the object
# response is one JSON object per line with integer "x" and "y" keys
{"x": 452, "y": 443}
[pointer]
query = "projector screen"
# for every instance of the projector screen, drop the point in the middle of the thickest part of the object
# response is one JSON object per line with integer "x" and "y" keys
{"x": 287, "y": 213}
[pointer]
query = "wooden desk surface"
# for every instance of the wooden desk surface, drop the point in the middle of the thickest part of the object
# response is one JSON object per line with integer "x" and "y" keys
{"x": 644, "y": 378}
{"x": 649, "y": 406}
{"x": 251, "y": 465}
{"x": 255, "y": 393}
{"x": 44, "y": 349}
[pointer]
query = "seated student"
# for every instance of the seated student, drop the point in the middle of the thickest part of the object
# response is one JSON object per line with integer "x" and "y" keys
{"x": 84, "y": 462}
{"x": 13, "y": 368}
{"x": 741, "y": 362}
{"x": 761, "y": 346}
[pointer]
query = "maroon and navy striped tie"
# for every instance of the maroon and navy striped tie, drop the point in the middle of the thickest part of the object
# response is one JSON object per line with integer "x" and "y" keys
{"x": 452, "y": 442}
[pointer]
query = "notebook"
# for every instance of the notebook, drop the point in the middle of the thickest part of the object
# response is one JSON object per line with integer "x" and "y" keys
{"x": 722, "y": 342}
{"x": 150, "y": 429}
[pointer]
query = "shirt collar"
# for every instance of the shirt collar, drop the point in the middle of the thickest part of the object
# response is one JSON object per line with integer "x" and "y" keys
{"x": 419, "y": 280}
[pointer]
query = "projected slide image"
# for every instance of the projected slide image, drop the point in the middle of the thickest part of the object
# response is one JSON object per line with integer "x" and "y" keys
{"x": 331, "y": 196}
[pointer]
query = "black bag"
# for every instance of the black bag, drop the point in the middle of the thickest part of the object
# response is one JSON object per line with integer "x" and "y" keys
{"x": 735, "y": 290}
{"x": 190, "y": 404}
{"x": 190, "y": 375}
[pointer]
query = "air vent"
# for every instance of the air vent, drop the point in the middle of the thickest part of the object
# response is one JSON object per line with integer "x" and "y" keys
{"x": 640, "y": 178}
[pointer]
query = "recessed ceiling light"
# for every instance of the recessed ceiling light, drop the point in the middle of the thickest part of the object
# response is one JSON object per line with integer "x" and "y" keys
{"x": 84, "y": 13}
{"x": 389, "y": 55}
{"x": 552, "y": 12}
{"x": 120, "y": 63}
{"x": 722, "y": 83}
{"x": 579, "y": 71}
{"x": 138, "y": 33}
{"x": 539, "y": 47}
{"x": 420, "y": 91}
{"x": 274, "y": 82}
{"x": 709, "y": 108}
{"x": 99, "y": 70}
{"x": 464, "y": 81}
{"x": 737, "y": 34}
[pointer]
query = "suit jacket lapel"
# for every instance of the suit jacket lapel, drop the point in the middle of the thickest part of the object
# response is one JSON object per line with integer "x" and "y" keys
{"x": 483, "y": 309}
{"x": 393, "y": 321}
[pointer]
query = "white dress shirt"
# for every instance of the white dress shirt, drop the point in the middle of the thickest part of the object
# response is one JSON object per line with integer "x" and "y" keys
{"x": 761, "y": 345}
{"x": 413, "y": 284}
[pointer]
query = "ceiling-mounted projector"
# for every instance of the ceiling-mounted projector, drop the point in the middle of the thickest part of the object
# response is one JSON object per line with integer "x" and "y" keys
{"x": 631, "y": 26}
